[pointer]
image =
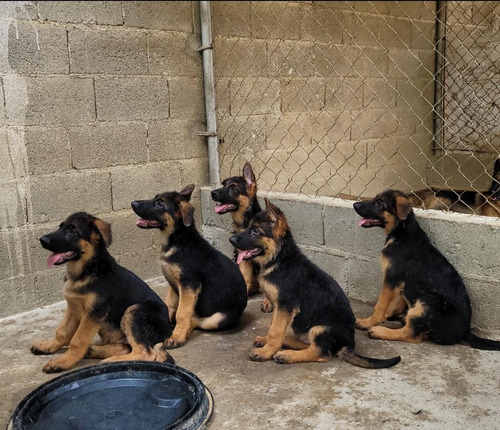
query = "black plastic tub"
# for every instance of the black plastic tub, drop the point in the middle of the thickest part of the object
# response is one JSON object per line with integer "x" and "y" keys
{"x": 130, "y": 395}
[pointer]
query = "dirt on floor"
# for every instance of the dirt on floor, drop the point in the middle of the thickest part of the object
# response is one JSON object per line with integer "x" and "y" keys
{"x": 434, "y": 387}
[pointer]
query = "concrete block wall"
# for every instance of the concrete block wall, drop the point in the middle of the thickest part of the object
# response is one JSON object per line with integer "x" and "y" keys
{"x": 326, "y": 229}
{"x": 100, "y": 104}
{"x": 325, "y": 97}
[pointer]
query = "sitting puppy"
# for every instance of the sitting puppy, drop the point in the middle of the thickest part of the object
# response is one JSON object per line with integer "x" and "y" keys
{"x": 417, "y": 277}
{"x": 206, "y": 289}
{"x": 102, "y": 298}
{"x": 238, "y": 195}
{"x": 303, "y": 296}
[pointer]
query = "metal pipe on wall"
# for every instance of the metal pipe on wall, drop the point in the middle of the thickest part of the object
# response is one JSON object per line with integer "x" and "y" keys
{"x": 209, "y": 87}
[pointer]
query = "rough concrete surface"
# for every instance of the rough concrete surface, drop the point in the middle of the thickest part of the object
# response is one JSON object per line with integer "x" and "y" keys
{"x": 434, "y": 387}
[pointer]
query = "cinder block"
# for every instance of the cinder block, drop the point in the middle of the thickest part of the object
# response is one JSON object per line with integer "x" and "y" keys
{"x": 242, "y": 137}
{"x": 373, "y": 123}
{"x": 48, "y": 100}
{"x": 485, "y": 304}
{"x": 108, "y": 51}
{"x": 176, "y": 138}
{"x": 344, "y": 93}
{"x": 195, "y": 171}
{"x": 144, "y": 263}
{"x": 174, "y": 54}
{"x": 209, "y": 216}
{"x": 104, "y": 145}
{"x": 127, "y": 237}
{"x": 49, "y": 285}
{"x": 13, "y": 200}
{"x": 219, "y": 239}
{"x": 308, "y": 232}
{"x": 415, "y": 93}
{"x": 55, "y": 197}
{"x": 405, "y": 9}
{"x": 365, "y": 279}
{"x": 13, "y": 153}
{"x": 2, "y": 105}
{"x": 276, "y": 20}
{"x": 367, "y": 61}
{"x": 396, "y": 33}
{"x": 422, "y": 35}
{"x": 340, "y": 226}
{"x": 48, "y": 149}
{"x": 18, "y": 10}
{"x": 18, "y": 295}
{"x": 186, "y": 98}
{"x": 302, "y": 94}
{"x": 379, "y": 93}
{"x": 143, "y": 182}
{"x": 240, "y": 57}
{"x": 334, "y": 265}
{"x": 360, "y": 29}
{"x": 320, "y": 25}
{"x": 82, "y": 12}
{"x": 404, "y": 63}
{"x": 231, "y": 19}
{"x": 165, "y": 15}
{"x": 468, "y": 247}
{"x": 132, "y": 98}
{"x": 257, "y": 96}
{"x": 33, "y": 256}
{"x": 11, "y": 254}
{"x": 34, "y": 48}
{"x": 368, "y": 241}
{"x": 293, "y": 58}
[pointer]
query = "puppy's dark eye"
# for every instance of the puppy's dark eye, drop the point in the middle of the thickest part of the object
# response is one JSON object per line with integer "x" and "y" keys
{"x": 255, "y": 231}
{"x": 159, "y": 204}
{"x": 72, "y": 230}
{"x": 233, "y": 187}
{"x": 379, "y": 204}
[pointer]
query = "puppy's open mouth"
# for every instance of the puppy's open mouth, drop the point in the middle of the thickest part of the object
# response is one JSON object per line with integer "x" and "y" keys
{"x": 60, "y": 258}
{"x": 247, "y": 255}
{"x": 147, "y": 223}
{"x": 367, "y": 222}
{"x": 225, "y": 207}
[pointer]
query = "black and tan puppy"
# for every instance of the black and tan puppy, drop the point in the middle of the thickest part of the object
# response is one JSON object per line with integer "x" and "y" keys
{"x": 206, "y": 289}
{"x": 102, "y": 298}
{"x": 238, "y": 195}
{"x": 304, "y": 297}
{"x": 418, "y": 280}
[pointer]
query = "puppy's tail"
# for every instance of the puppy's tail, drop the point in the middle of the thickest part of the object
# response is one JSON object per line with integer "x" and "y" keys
{"x": 481, "y": 343}
{"x": 351, "y": 356}
{"x": 162, "y": 354}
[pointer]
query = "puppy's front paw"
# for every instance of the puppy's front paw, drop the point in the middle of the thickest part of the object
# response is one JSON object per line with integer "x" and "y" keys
{"x": 281, "y": 357}
{"x": 266, "y": 306}
{"x": 43, "y": 348}
{"x": 364, "y": 323}
{"x": 260, "y": 354}
{"x": 56, "y": 365}
{"x": 377, "y": 332}
{"x": 260, "y": 341}
{"x": 174, "y": 342}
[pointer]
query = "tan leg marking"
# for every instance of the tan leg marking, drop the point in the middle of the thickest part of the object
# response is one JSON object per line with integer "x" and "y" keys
{"x": 404, "y": 334}
{"x": 77, "y": 348}
{"x": 387, "y": 295}
{"x": 64, "y": 332}
{"x": 311, "y": 353}
{"x": 396, "y": 307}
{"x": 184, "y": 318}
{"x": 109, "y": 350}
{"x": 172, "y": 302}
{"x": 292, "y": 342}
{"x": 275, "y": 336}
{"x": 246, "y": 269}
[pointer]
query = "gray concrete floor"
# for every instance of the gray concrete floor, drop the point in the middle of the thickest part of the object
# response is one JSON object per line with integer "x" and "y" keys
{"x": 433, "y": 387}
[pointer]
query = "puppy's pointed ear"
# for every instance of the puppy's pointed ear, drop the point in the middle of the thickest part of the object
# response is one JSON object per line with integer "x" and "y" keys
{"x": 271, "y": 210}
{"x": 105, "y": 230}
{"x": 248, "y": 174}
{"x": 403, "y": 207}
{"x": 187, "y": 213}
{"x": 187, "y": 191}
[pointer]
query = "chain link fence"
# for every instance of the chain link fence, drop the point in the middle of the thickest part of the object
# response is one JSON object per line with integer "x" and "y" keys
{"x": 350, "y": 98}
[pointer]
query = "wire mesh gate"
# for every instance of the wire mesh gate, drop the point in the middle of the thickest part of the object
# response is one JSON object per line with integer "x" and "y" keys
{"x": 335, "y": 98}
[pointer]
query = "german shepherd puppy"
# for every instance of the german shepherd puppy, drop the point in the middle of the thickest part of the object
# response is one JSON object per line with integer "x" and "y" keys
{"x": 206, "y": 289}
{"x": 418, "y": 280}
{"x": 238, "y": 195}
{"x": 469, "y": 202}
{"x": 304, "y": 297}
{"x": 102, "y": 298}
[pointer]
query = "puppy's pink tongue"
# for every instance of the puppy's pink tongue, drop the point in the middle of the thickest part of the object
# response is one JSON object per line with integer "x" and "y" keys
{"x": 363, "y": 222}
{"x": 54, "y": 258}
{"x": 220, "y": 208}
{"x": 241, "y": 256}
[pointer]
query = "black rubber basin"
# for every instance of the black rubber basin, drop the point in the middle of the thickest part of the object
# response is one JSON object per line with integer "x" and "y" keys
{"x": 129, "y": 395}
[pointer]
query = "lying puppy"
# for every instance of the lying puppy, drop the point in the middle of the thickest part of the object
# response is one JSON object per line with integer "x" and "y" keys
{"x": 102, "y": 298}
{"x": 206, "y": 289}
{"x": 238, "y": 195}
{"x": 303, "y": 296}
{"x": 417, "y": 277}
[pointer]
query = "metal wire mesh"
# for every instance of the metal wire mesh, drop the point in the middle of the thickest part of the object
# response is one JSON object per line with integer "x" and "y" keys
{"x": 350, "y": 98}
